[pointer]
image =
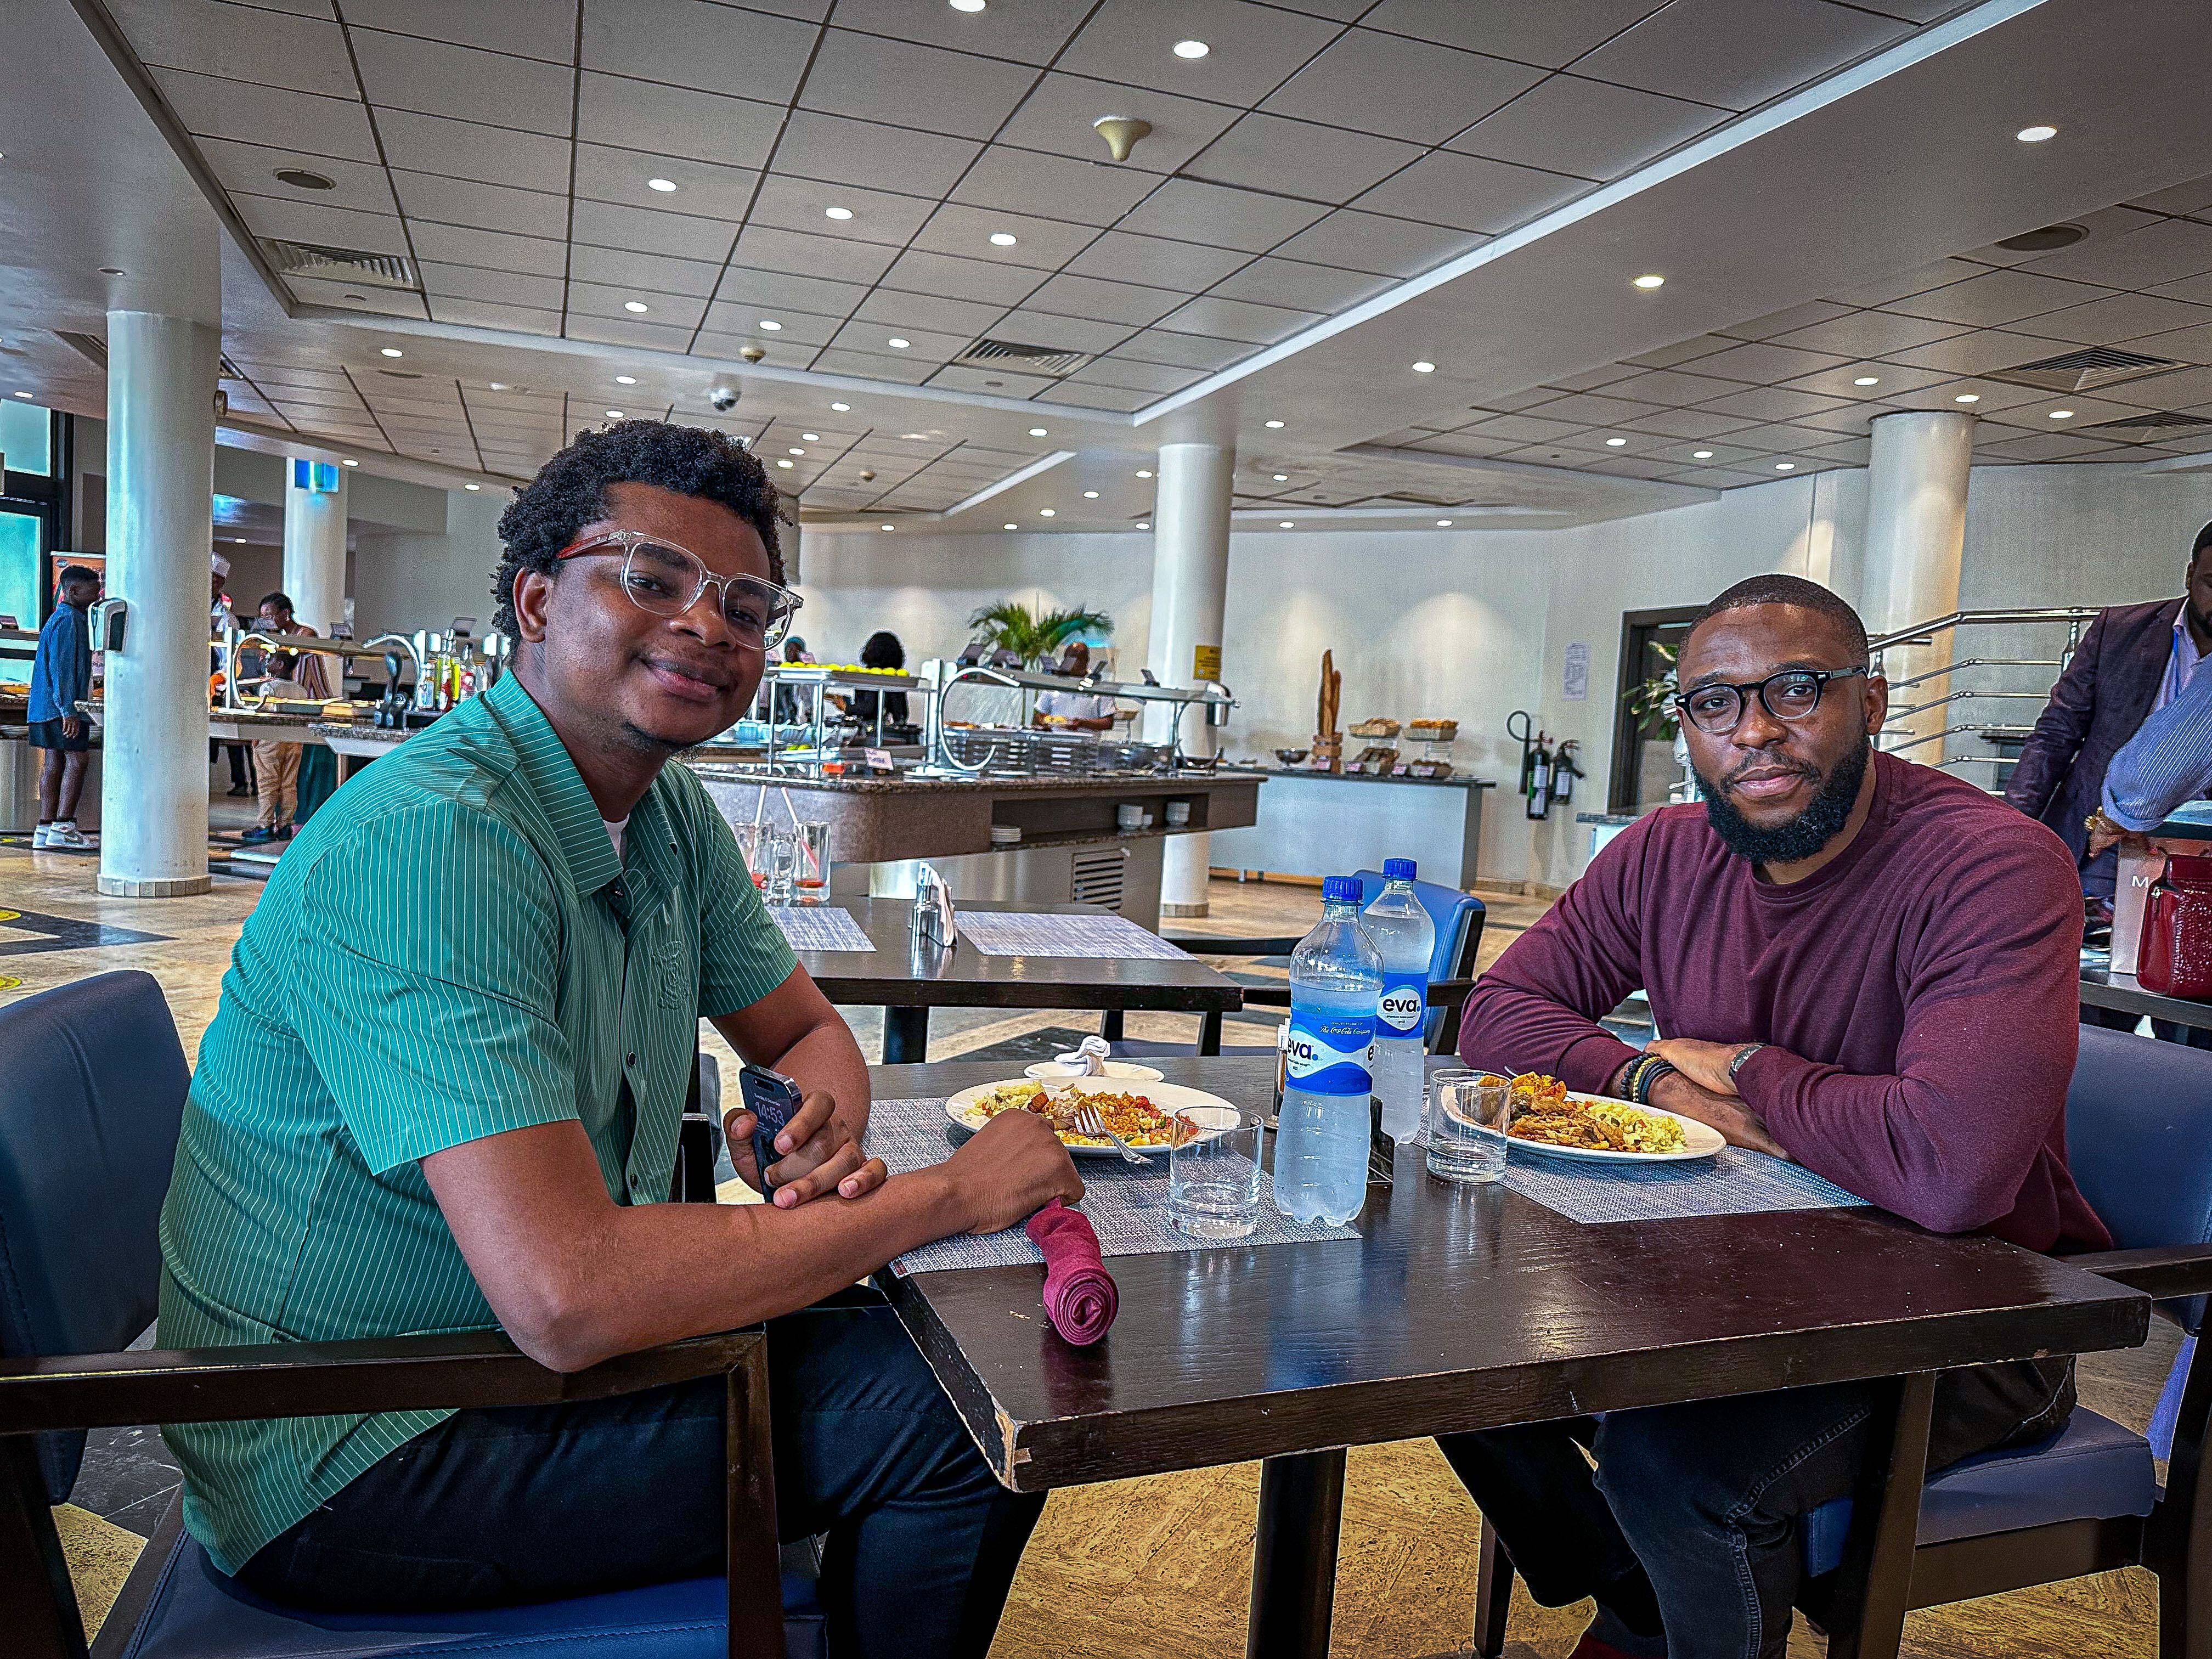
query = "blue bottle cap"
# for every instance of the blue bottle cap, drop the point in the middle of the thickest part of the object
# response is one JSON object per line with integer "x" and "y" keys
{"x": 1398, "y": 869}
{"x": 1339, "y": 889}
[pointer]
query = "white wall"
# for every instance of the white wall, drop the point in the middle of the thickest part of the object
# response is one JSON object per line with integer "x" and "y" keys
{"x": 405, "y": 580}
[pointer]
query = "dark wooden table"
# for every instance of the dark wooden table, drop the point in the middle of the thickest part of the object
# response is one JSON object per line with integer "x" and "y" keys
{"x": 2103, "y": 989}
{"x": 1471, "y": 1307}
{"x": 907, "y": 981}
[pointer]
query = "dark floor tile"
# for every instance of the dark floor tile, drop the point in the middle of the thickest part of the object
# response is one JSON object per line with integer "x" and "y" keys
{"x": 144, "y": 1516}
{"x": 121, "y": 1468}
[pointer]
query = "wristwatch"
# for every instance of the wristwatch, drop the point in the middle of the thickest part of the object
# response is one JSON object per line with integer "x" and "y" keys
{"x": 2097, "y": 822}
{"x": 1736, "y": 1060}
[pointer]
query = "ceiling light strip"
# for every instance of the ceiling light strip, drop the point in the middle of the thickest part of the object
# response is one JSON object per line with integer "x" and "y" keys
{"x": 1907, "y": 54}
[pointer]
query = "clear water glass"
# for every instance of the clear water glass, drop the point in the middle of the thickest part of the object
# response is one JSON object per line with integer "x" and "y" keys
{"x": 1214, "y": 1180}
{"x": 1468, "y": 1119}
{"x": 810, "y": 877}
{"x": 748, "y": 837}
{"x": 778, "y": 870}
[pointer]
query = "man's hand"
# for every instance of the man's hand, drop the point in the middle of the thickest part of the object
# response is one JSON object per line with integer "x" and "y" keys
{"x": 2105, "y": 834}
{"x": 72, "y": 727}
{"x": 821, "y": 1152}
{"x": 1742, "y": 1126}
{"x": 1011, "y": 1168}
{"x": 1706, "y": 1064}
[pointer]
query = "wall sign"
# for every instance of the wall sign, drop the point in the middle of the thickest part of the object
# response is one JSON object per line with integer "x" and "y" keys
{"x": 1205, "y": 662}
{"x": 1575, "y": 682}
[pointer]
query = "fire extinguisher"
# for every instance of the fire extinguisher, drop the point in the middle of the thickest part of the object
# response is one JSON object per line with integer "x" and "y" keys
{"x": 1539, "y": 781}
{"x": 1564, "y": 773}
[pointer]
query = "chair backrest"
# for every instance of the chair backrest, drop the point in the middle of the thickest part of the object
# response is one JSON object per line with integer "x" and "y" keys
{"x": 2139, "y": 1140}
{"x": 1458, "y": 917}
{"x": 91, "y": 1099}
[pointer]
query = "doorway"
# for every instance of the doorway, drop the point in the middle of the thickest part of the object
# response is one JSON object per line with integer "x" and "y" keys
{"x": 1644, "y": 766}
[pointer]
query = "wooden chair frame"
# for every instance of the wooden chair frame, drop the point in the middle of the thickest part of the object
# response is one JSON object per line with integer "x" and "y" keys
{"x": 1887, "y": 1573}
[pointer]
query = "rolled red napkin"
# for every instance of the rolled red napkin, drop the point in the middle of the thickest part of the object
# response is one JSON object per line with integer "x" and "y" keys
{"x": 1080, "y": 1298}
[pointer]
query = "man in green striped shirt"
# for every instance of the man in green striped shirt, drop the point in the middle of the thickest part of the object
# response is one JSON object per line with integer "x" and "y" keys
{"x": 442, "y": 1094}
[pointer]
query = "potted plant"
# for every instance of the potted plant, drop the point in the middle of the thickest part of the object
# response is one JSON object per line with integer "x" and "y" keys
{"x": 1650, "y": 703}
{"x": 1034, "y": 636}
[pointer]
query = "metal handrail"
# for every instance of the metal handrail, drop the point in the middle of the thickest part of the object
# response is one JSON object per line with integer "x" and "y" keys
{"x": 1978, "y": 662}
{"x": 1958, "y": 697}
{"x": 1960, "y": 618}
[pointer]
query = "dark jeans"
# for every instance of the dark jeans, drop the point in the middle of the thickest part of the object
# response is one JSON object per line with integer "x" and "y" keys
{"x": 1691, "y": 1515}
{"x": 537, "y": 1503}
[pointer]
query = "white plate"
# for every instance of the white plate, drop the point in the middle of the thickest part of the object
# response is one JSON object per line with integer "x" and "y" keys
{"x": 1701, "y": 1140}
{"x": 964, "y": 1109}
{"x": 1127, "y": 1070}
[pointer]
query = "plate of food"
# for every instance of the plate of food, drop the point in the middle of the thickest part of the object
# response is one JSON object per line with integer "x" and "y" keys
{"x": 1121, "y": 1071}
{"x": 1550, "y": 1118}
{"x": 1141, "y": 1116}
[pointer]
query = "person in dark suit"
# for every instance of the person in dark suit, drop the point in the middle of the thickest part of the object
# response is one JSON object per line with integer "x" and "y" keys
{"x": 2134, "y": 660}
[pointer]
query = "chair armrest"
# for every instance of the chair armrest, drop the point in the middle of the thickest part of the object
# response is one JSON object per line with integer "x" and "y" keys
{"x": 1448, "y": 993}
{"x": 1267, "y": 996}
{"x": 1208, "y": 945}
{"x": 322, "y": 1379}
{"x": 2162, "y": 1273}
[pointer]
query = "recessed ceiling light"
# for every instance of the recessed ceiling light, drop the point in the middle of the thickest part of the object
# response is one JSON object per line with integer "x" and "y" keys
{"x": 1003, "y": 239}
{"x": 625, "y": 380}
{"x": 886, "y": 526}
{"x": 811, "y": 437}
{"x": 783, "y": 463}
{"x": 390, "y": 351}
{"x": 771, "y": 325}
{"x": 240, "y": 540}
{"x": 23, "y": 394}
{"x": 1443, "y": 523}
{"x": 1048, "y": 513}
{"x": 1287, "y": 524}
{"x": 896, "y": 343}
{"x": 1651, "y": 279}
{"x": 2035, "y": 134}
{"x": 472, "y": 486}
{"x": 614, "y": 414}
{"x": 349, "y": 462}
{"x": 1868, "y": 380}
{"x": 110, "y": 270}
{"x": 837, "y": 213}
{"x": 636, "y": 305}
{"x": 662, "y": 184}
{"x": 796, "y": 450}
{"x": 918, "y": 436}
{"x": 1090, "y": 495}
{"x": 2061, "y": 414}
{"x": 1142, "y": 473}
{"x": 1425, "y": 368}
{"x": 967, "y": 5}
{"x": 1012, "y": 526}
{"x": 1616, "y": 443}
{"x": 1967, "y": 397}
{"x": 1701, "y": 454}
{"x": 1785, "y": 466}
{"x": 1193, "y": 50}
{"x": 495, "y": 385}
{"x": 1282, "y": 478}
{"x": 1274, "y": 426}
{"x": 841, "y": 407}
{"x": 1036, "y": 432}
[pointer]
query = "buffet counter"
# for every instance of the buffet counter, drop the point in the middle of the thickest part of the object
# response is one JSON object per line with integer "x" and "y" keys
{"x": 1326, "y": 823}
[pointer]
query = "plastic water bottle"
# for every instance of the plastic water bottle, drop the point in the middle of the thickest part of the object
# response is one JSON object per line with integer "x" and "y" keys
{"x": 1407, "y": 938}
{"x": 1321, "y": 1144}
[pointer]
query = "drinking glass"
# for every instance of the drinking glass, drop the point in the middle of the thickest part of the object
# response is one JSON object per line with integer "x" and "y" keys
{"x": 810, "y": 882}
{"x": 779, "y": 863}
{"x": 1468, "y": 1118}
{"x": 1214, "y": 1180}
{"x": 748, "y": 837}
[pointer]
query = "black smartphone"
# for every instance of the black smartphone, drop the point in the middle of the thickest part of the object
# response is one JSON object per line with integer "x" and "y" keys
{"x": 773, "y": 1098}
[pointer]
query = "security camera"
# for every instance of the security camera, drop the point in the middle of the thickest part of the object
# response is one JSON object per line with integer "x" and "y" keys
{"x": 723, "y": 398}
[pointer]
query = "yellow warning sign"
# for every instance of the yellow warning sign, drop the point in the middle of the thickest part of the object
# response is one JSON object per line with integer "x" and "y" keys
{"x": 1205, "y": 662}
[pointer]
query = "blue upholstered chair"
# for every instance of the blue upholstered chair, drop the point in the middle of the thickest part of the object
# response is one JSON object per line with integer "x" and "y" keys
{"x": 90, "y": 1103}
{"x": 1458, "y": 917}
{"x": 2139, "y": 1140}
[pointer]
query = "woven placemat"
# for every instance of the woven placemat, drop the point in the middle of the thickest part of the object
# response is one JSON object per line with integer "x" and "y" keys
{"x": 1127, "y": 1206}
{"x": 1733, "y": 1182}
{"x": 1020, "y": 933}
{"x": 819, "y": 927}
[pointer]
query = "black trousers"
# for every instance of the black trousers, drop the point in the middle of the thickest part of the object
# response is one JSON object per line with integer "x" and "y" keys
{"x": 1688, "y": 1519}
{"x": 538, "y": 1503}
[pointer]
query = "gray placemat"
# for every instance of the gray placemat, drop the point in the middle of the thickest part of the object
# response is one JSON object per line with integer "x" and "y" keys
{"x": 1127, "y": 1206}
{"x": 819, "y": 927}
{"x": 1018, "y": 934}
{"x": 1732, "y": 1181}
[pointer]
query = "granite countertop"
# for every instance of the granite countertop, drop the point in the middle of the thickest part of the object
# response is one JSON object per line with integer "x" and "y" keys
{"x": 1073, "y": 783}
{"x": 1457, "y": 781}
{"x": 360, "y": 729}
{"x": 1606, "y": 817}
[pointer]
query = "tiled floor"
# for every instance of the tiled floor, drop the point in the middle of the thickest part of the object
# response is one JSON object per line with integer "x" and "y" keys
{"x": 1156, "y": 1568}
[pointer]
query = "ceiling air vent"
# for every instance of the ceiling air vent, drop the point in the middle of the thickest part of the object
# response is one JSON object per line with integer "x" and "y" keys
{"x": 2146, "y": 426}
{"x": 86, "y": 345}
{"x": 1029, "y": 359}
{"x": 341, "y": 264}
{"x": 2087, "y": 369}
{"x": 1420, "y": 499}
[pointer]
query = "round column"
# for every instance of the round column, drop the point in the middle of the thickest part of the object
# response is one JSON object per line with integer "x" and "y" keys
{"x": 161, "y": 482}
{"x": 315, "y": 544}
{"x": 1916, "y": 478}
{"x": 1190, "y": 591}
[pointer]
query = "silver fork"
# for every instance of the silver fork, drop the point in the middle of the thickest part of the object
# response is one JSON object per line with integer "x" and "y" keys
{"x": 1088, "y": 1120}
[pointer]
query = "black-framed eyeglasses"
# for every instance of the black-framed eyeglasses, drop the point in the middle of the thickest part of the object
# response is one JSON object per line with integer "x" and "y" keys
{"x": 1716, "y": 708}
{"x": 667, "y": 579}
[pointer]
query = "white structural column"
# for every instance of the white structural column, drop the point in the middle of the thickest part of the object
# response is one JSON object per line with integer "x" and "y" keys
{"x": 161, "y": 482}
{"x": 1917, "y": 479}
{"x": 1190, "y": 591}
{"x": 315, "y": 550}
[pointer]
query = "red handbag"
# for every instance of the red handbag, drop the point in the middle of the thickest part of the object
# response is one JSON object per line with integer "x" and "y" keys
{"x": 2176, "y": 955}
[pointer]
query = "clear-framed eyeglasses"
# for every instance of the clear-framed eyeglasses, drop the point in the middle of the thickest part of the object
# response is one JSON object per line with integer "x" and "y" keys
{"x": 666, "y": 579}
{"x": 1716, "y": 708}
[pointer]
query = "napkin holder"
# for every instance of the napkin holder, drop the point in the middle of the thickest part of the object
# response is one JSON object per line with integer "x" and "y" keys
{"x": 934, "y": 921}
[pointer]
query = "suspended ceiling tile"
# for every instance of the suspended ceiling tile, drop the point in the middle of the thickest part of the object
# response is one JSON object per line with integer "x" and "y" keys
{"x": 1375, "y": 243}
{"x": 621, "y": 268}
{"x": 765, "y": 248}
{"x": 2122, "y": 317}
{"x": 1414, "y": 90}
{"x": 1254, "y": 48}
{"x": 1041, "y": 328}
{"x": 399, "y": 71}
{"x": 252, "y": 168}
{"x": 735, "y": 324}
{"x": 1980, "y": 352}
{"x": 1590, "y": 409}
{"x": 1302, "y": 158}
{"x": 1471, "y": 192}
{"x": 384, "y": 302}
{"x": 506, "y": 287}
{"x": 675, "y": 121}
{"x": 471, "y": 149}
{"x": 1183, "y": 350}
{"x": 1769, "y": 403}
{"x": 1303, "y": 287}
{"x": 771, "y": 293}
{"x": 1156, "y": 261}
{"x": 1674, "y": 387}
{"x": 1592, "y": 128}
{"x": 1220, "y": 215}
{"x": 1888, "y": 377}
{"x": 799, "y": 205}
{"x": 633, "y": 331}
{"x": 1106, "y": 302}
{"x": 996, "y": 382}
{"x": 1553, "y": 32}
{"x": 1057, "y": 116}
{"x": 482, "y": 207}
{"x": 911, "y": 85}
{"x": 1093, "y": 396}
{"x": 2191, "y": 199}
{"x": 304, "y": 221}
{"x": 2160, "y": 251}
{"x": 604, "y": 173}
{"x": 664, "y": 310}
{"x": 214, "y": 108}
{"x": 1866, "y": 334}
{"x": 1764, "y": 363}
{"x": 534, "y": 28}
{"x": 873, "y": 366}
{"x": 1040, "y": 244}
{"x": 2186, "y": 389}
{"x": 870, "y": 155}
{"x": 709, "y": 48}
{"x": 1156, "y": 378}
{"x": 874, "y": 336}
{"x": 1738, "y": 53}
{"x": 239, "y": 42}
{"x": 1030, "y": 34}
{"x": 1996, "y": 297}
{"x": 1236, "y": 320}
{"x": 918, "y": 272}
{"x": 899, "y": 311}
{"x": 1785, "y": 322}
{"x": 1688, "y": 423}
{"x": 1019, "y": 181}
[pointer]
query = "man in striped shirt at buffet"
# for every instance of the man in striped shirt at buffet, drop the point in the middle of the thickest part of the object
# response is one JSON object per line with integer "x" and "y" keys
{"x": 442, "y": 1094}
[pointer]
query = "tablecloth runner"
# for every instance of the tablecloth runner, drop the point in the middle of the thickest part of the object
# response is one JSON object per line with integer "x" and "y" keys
{"x": 1020, "y": 933}
{"x": 1732, "y": 1181}
{"x": 1127, "y": 1206}
{"x": 819, "y": 927}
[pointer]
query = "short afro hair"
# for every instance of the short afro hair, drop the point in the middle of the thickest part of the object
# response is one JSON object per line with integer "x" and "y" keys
{"x": 570, "y": 492}
{"x": 1779, "y": 589}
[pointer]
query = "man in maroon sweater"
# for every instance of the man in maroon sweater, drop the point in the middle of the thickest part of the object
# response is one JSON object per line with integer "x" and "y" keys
{"x": 1859, "y": 964}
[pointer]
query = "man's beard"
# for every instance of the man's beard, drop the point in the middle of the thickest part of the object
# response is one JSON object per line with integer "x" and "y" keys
{"x": 1822, "y": 820}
